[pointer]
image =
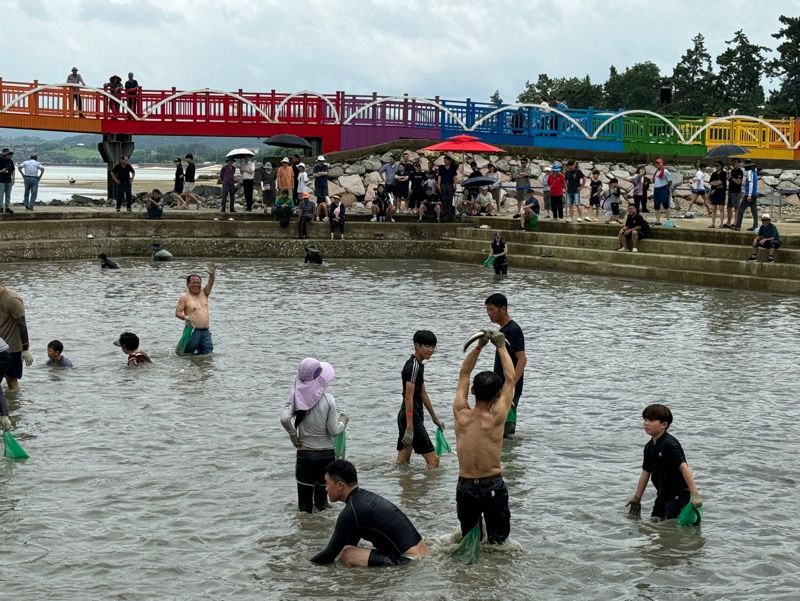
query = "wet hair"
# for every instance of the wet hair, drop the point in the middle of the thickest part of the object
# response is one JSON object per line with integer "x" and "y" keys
{"x": 497, "y": 300}
{"x": 129, "y": 341}
{"x": 102, "y": 256}
{"x": 486, "y": 385}
{"x": 192, "y": 275}
{"x": 56, "y": 346}
{"x": 341, "y": 470}
{"x": 659, "y": 413}
{"x": 425, "y": 337}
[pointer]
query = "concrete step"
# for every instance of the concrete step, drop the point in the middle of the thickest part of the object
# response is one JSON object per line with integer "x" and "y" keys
{"x": 603, "y": 268}
{"x": 645, "y": 258}
{"x": 608, "y": 240}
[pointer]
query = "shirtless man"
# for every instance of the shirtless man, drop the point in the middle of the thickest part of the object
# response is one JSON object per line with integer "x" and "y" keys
{"x": 481, "y": 490}
{"x": 193, "y": 309}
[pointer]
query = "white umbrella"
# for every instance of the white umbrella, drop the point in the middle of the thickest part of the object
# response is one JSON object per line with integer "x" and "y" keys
{"x": 240, "y": 153}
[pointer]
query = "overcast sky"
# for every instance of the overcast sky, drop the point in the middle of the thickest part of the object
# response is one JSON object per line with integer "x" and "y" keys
{"x": 423, "y": 47}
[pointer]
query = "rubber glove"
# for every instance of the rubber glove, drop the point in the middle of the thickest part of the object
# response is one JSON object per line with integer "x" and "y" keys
{"x": 486, "y": 338}
{"x": 5, "y": 422}
{"x": 438, "y": 423}
{"x": 211, "y": 269}
{"x": 696, "y": 500}
{"x": 408, "y": 437}
{"x": 344, "y": 418}
{"x": 498, "y": 339}
{"x": 27, "y": 357}
{"x": 635, "y": 505}
{"x": 295, "y": 441}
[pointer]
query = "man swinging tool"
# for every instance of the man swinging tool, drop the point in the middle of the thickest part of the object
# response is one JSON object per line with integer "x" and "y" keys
{"x": 193, "y": 309}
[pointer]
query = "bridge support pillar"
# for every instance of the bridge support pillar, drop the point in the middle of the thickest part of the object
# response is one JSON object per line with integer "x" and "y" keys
{"x": 111, "y": 149}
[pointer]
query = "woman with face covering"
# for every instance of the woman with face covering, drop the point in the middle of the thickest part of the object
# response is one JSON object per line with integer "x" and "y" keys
{"x": 311, "y": 419}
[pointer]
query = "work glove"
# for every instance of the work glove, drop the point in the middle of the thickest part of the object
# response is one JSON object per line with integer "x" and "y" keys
{"x": 5, "y": 422}
{"x": 211, "y": 269}
{"x": 696, "y": 500}
{"x": 635, "y": 505}
{"x": 408, "y": 437}
{"x": 439, "y": 423}
{"x": 295, "y": 441}
{"x": 27, "y": 357}
{"x": 498, "y": 339}
{"x": 344, "y": 418}
{"x": 486, "y": 338}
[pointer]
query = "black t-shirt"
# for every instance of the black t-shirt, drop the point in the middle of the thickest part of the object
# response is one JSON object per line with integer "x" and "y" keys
{"x": 414, "y": 372}
{"x": 373, "y": 518}
{"x": 432, "y": 198}
{"x": 9, "y": 166}
{"x": 573, "y": 178}
{"x": 189, "y": 175}
{"x": 124, "y": 174}
{"x": 595, "y": 187}
{"x": 733, "y": 187}
{"x": 417, "y": 180}
{"x": 663, "y": 460}
{"x": 632, "y": 221}
{"x": 448, "y": 175}
{"x": 498, "y": 246}
{"x": 516, "y": 343}
{"x": 178, "y": 172}
{"x": 718, "y": 191}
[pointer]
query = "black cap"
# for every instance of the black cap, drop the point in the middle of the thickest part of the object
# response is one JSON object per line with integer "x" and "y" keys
{"x": 127, "y": 340}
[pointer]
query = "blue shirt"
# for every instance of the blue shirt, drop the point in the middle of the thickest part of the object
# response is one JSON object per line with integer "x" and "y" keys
{"x": 62, "y": 362}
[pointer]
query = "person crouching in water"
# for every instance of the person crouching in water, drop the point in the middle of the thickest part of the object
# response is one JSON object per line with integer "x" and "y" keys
{"x": 311, "y": 419}
{"x": 313, "y": 255}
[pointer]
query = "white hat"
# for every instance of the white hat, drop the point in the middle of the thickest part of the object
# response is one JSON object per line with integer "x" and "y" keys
{"x": 285, "y": 160}
{"x": 766, "y": 216}
{"x": 303, "y": 165}
{"x": 320, "y": 158}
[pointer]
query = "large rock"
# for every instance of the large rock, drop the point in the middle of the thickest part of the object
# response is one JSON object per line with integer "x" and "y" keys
{"x": 356, "y": 169}
{"x": 503, "y": 165}
{"x": 424, "y": 163}
{"x": 785, "y": 185}
{"x": 348, "y": 199}
{"x": 482, "y": 162}
{"x": 352, "y": 184}
{"x": 586, "y": 167}
{"x": 335, "y": 189}
{"x": 625, "y": 185}
{"x": 788, "y": 174}
{"x": 371, "y": 164}
{"x": 388, "y": 155}
{"x": 793, "y": 200}
{"x": 770, "y": 180}
{"x": 372, "y": 179}
{"x": 773, "y": 172}
{"x": 335, "y": 172}
{"x": 620, "y": 174}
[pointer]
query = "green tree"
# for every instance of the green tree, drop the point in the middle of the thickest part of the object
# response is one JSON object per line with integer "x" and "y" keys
{"x": 741, "y": 68}
{"x": 572, "y": 91}
{"x": 495, "y": 98}
{"x": 636, "y": 88}
{"x": 785, "y": 100}
{"x": 541, "y": 91}
{"x": 695, "y": 92}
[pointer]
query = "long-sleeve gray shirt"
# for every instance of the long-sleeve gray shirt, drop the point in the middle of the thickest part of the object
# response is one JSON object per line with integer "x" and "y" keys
{"x": 320, "y": 424}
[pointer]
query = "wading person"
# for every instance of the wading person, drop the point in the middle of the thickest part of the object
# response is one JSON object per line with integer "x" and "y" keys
{"x": 5, "y": 362}
{"x": 395, "y": 540}
{"x": 665, "y": 464}
{"x": 497, "y": 310}
{"x": 14, "y": 331}
{"x": 412, "y": 434}
{"x": 311, "y": 419}
{"x": 499, "y": 250}
{"x": 129, "y": 343}
{"x": 193, "y": 310}
{"x": 481, "y": 491}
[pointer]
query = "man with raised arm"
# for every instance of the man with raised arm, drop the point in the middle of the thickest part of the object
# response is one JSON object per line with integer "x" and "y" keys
{"x": 193, "y": 309}
{"x": 481, "y": 490}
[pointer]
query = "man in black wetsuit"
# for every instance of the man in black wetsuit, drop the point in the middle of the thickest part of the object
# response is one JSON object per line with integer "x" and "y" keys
{"x": 366, "y": 515}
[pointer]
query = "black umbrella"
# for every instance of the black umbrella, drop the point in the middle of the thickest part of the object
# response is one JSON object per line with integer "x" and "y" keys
{"x": 288, "y": 141}
{"x": 726, "y": 150}
{"x": 478, "y": 181}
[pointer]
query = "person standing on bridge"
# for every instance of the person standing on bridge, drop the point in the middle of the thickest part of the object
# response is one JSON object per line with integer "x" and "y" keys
{"x": 75, "y": 78}
{"x": 32, "y": 172}
{"x": 132, "y": 93}
{"x": 123, "y": 174}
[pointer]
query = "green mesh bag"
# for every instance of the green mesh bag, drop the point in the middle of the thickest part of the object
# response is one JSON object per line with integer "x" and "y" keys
{"x": 489, "y": 261}
{"x": 512, "y": 416}
{"x": 187, "y": 333}
{"x": 470, "y": 547}
{"x": 533, "y": 223}
{"x": 689, "y": 516}
{"x": 13, "y": 449}
{"x": 442, "y": 447}
{"x": 340, "y": 445}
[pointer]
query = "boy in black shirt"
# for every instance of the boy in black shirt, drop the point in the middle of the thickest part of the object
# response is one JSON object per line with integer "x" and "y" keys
{"x": 635, "y": 229}
{"x": 415, "y": 437}
{"x": 595, "y": 191}
{"x": 664, "y": 463}
{"x": 735, "y": 179}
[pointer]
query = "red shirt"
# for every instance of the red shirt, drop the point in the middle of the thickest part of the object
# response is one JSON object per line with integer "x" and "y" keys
{"x": 556, "y": 183}
{"x": 137, "y": 358}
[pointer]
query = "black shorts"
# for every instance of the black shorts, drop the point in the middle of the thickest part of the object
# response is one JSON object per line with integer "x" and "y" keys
{"x": 642, "y": 235}
{"x": 421, "y": 443}
{"x": 379, "y": 560}
{"x": 668, "y": 507}
{"x": 15, "y": 366}
{"x": 487, "y": 497}
{"x": 594, "y": 201}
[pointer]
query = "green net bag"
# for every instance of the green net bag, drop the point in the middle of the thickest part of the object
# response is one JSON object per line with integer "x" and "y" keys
{"x": 470, "y": 547}
{"x": 489, "y": 261}
{"x": 187, "y": 333}
{"x": 13, "y": 450}
{"x": 689, "y": 516}
{"x": 512, "y": 416}
{"x": 533, "y": 223}
{"x": 442, "y": 446}
{"x": 340, "y": 445}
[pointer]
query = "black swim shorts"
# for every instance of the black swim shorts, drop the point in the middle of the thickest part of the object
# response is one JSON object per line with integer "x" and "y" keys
{"x": 421, "y": 443}
{"x": 379, "y": 560}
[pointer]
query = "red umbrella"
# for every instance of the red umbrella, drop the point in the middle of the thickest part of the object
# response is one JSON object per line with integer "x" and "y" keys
{"x": 463, "y": 143}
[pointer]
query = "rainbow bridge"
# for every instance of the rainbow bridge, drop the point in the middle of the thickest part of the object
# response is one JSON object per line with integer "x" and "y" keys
{"x": 341, "y": 121}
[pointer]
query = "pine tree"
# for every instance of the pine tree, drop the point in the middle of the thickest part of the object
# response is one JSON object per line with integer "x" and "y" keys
{"x": 785, "y": 100}
{"x": 636, "y": 88}
{"x": 495, "y": 98}
{"x": 741, "y": 68}
{"x": 695, "y": 91}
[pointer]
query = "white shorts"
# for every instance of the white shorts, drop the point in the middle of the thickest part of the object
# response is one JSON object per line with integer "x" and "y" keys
{"x": 188, "y": 187}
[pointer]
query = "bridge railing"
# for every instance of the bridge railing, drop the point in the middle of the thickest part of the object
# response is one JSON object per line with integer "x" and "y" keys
{"x": 389, "y": 112}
